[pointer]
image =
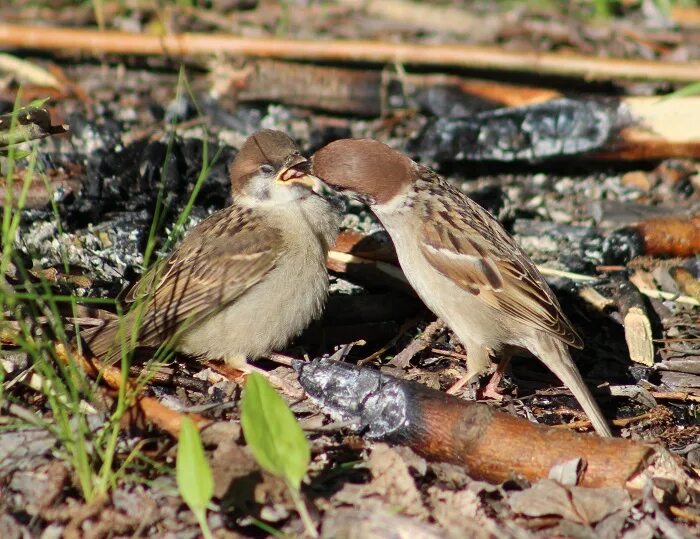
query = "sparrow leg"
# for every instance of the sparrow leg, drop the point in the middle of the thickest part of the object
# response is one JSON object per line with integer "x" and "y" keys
{"x": 239, "y": 362}
{"x": 491, "y": 390}
{"x": 477, "y": 362}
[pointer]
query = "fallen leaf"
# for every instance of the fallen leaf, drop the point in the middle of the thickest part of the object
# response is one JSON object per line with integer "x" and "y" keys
{"x": 569, "y": 472}
{"x": 578, "y": 504}
{"x": 391, "y": 485}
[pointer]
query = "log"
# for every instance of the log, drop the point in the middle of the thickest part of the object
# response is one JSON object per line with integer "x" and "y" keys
{"x": 444, "y": 428}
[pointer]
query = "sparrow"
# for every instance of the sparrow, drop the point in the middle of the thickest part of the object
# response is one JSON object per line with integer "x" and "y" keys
{"x": 461, "y": 262}
{"x": 247, "y": 279}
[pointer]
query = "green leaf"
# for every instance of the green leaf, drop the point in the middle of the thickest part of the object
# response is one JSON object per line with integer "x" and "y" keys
{"x": 272, "y": 433}
{"x": 194, "y": 477}
{"x": 38, "y": 103}
{"x": 685, "y": 91}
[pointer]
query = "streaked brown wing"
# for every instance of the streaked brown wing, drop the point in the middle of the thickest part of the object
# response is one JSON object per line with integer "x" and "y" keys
{"x": 219, "y": 260}
{"x": 472, "y": 249}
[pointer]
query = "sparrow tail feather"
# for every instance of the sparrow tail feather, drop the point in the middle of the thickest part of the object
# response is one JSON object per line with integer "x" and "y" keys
{"x": 555, "y": 355}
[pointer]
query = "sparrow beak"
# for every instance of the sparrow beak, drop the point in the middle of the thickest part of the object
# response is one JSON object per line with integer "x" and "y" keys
{"x": 297, "y": 171}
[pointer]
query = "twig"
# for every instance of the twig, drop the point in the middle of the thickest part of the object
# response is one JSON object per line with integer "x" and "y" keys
{"x": 280, "y": 358}
{"x": 448, "y": 429}
{"x": 457, "y": 55}
{"x": 675, "y": 396}
{"x": 585, "y": 423}
{"x": 566, "y": 274}
{"x": 449, "y": 353}
{"x": 402, "y": 331}
{"x": 42, "y": 385}
{"x": 152, "y": 409}
{"x": 636, "y": 323}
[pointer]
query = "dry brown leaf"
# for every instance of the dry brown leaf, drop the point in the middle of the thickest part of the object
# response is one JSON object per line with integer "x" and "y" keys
{"x": 378, "y": 524}
{"x": 391, "y": 486}
{"x": 578, "y": 504}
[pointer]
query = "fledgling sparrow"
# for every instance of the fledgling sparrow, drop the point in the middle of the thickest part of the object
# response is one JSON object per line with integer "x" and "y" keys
{"x": 461, "y": 262}
{"x": 247, "y": 279}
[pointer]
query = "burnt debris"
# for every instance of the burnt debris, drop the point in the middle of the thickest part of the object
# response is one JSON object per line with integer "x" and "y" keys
{"x": 553, "y": 129}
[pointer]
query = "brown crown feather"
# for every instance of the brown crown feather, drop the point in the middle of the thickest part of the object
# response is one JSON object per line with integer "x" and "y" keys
{"x": 367, "y": 167}
{"x": 263, "y": 147}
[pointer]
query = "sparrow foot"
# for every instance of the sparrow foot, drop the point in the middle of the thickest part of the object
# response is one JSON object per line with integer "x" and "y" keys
{"x": 459, "y": 384}
{"x": 491, "y": 390}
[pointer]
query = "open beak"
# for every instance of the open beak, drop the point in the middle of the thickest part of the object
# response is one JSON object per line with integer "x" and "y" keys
{"x": 297, "y": 171}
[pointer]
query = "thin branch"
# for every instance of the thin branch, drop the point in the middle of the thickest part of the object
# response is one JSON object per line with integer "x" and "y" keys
{"x": 455, "y": 55}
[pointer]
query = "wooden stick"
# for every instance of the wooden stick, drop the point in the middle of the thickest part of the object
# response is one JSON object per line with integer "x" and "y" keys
{"x": 457, "y": 55}
{"x": 491, "y": 445}
{"x": 472, "y": 434}
{"x": 636, "y": 323}
{"x": 148, "y": 407}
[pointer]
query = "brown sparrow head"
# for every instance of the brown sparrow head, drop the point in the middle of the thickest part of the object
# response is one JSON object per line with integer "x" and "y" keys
{"x": 246, "y": 279}
{"x": 268, "y": 164}
{"x": 462, "y": 263}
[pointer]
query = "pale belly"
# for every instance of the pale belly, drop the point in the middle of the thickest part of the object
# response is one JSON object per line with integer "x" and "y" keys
{"x": 266, "y": 317}
{"x": 474, "y": 322}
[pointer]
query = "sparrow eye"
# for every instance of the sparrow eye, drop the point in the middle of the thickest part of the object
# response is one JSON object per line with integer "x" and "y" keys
{"x": 266, "y": 169}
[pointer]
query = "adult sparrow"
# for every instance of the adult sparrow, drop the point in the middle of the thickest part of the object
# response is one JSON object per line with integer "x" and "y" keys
{"x": 461, "y": 262}
{"x": 247, "y": 279}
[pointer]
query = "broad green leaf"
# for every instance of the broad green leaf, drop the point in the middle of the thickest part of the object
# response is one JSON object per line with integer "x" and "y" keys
{"x": 272, "y": 433}
{"x": 194, "y": 477}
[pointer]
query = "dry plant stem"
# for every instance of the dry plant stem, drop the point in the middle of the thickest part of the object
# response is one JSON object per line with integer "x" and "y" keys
{"x": 28, "y": 72}
{"x": 151, "y": 409}
{"x": 466, "y": 56}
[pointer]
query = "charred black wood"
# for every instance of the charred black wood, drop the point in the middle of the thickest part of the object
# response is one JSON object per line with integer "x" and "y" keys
{"x": 449, "y": 101}
{"x": 554, "y": 129}
{"x": 663, "y": 236}
{"x": 578, "y": 248}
